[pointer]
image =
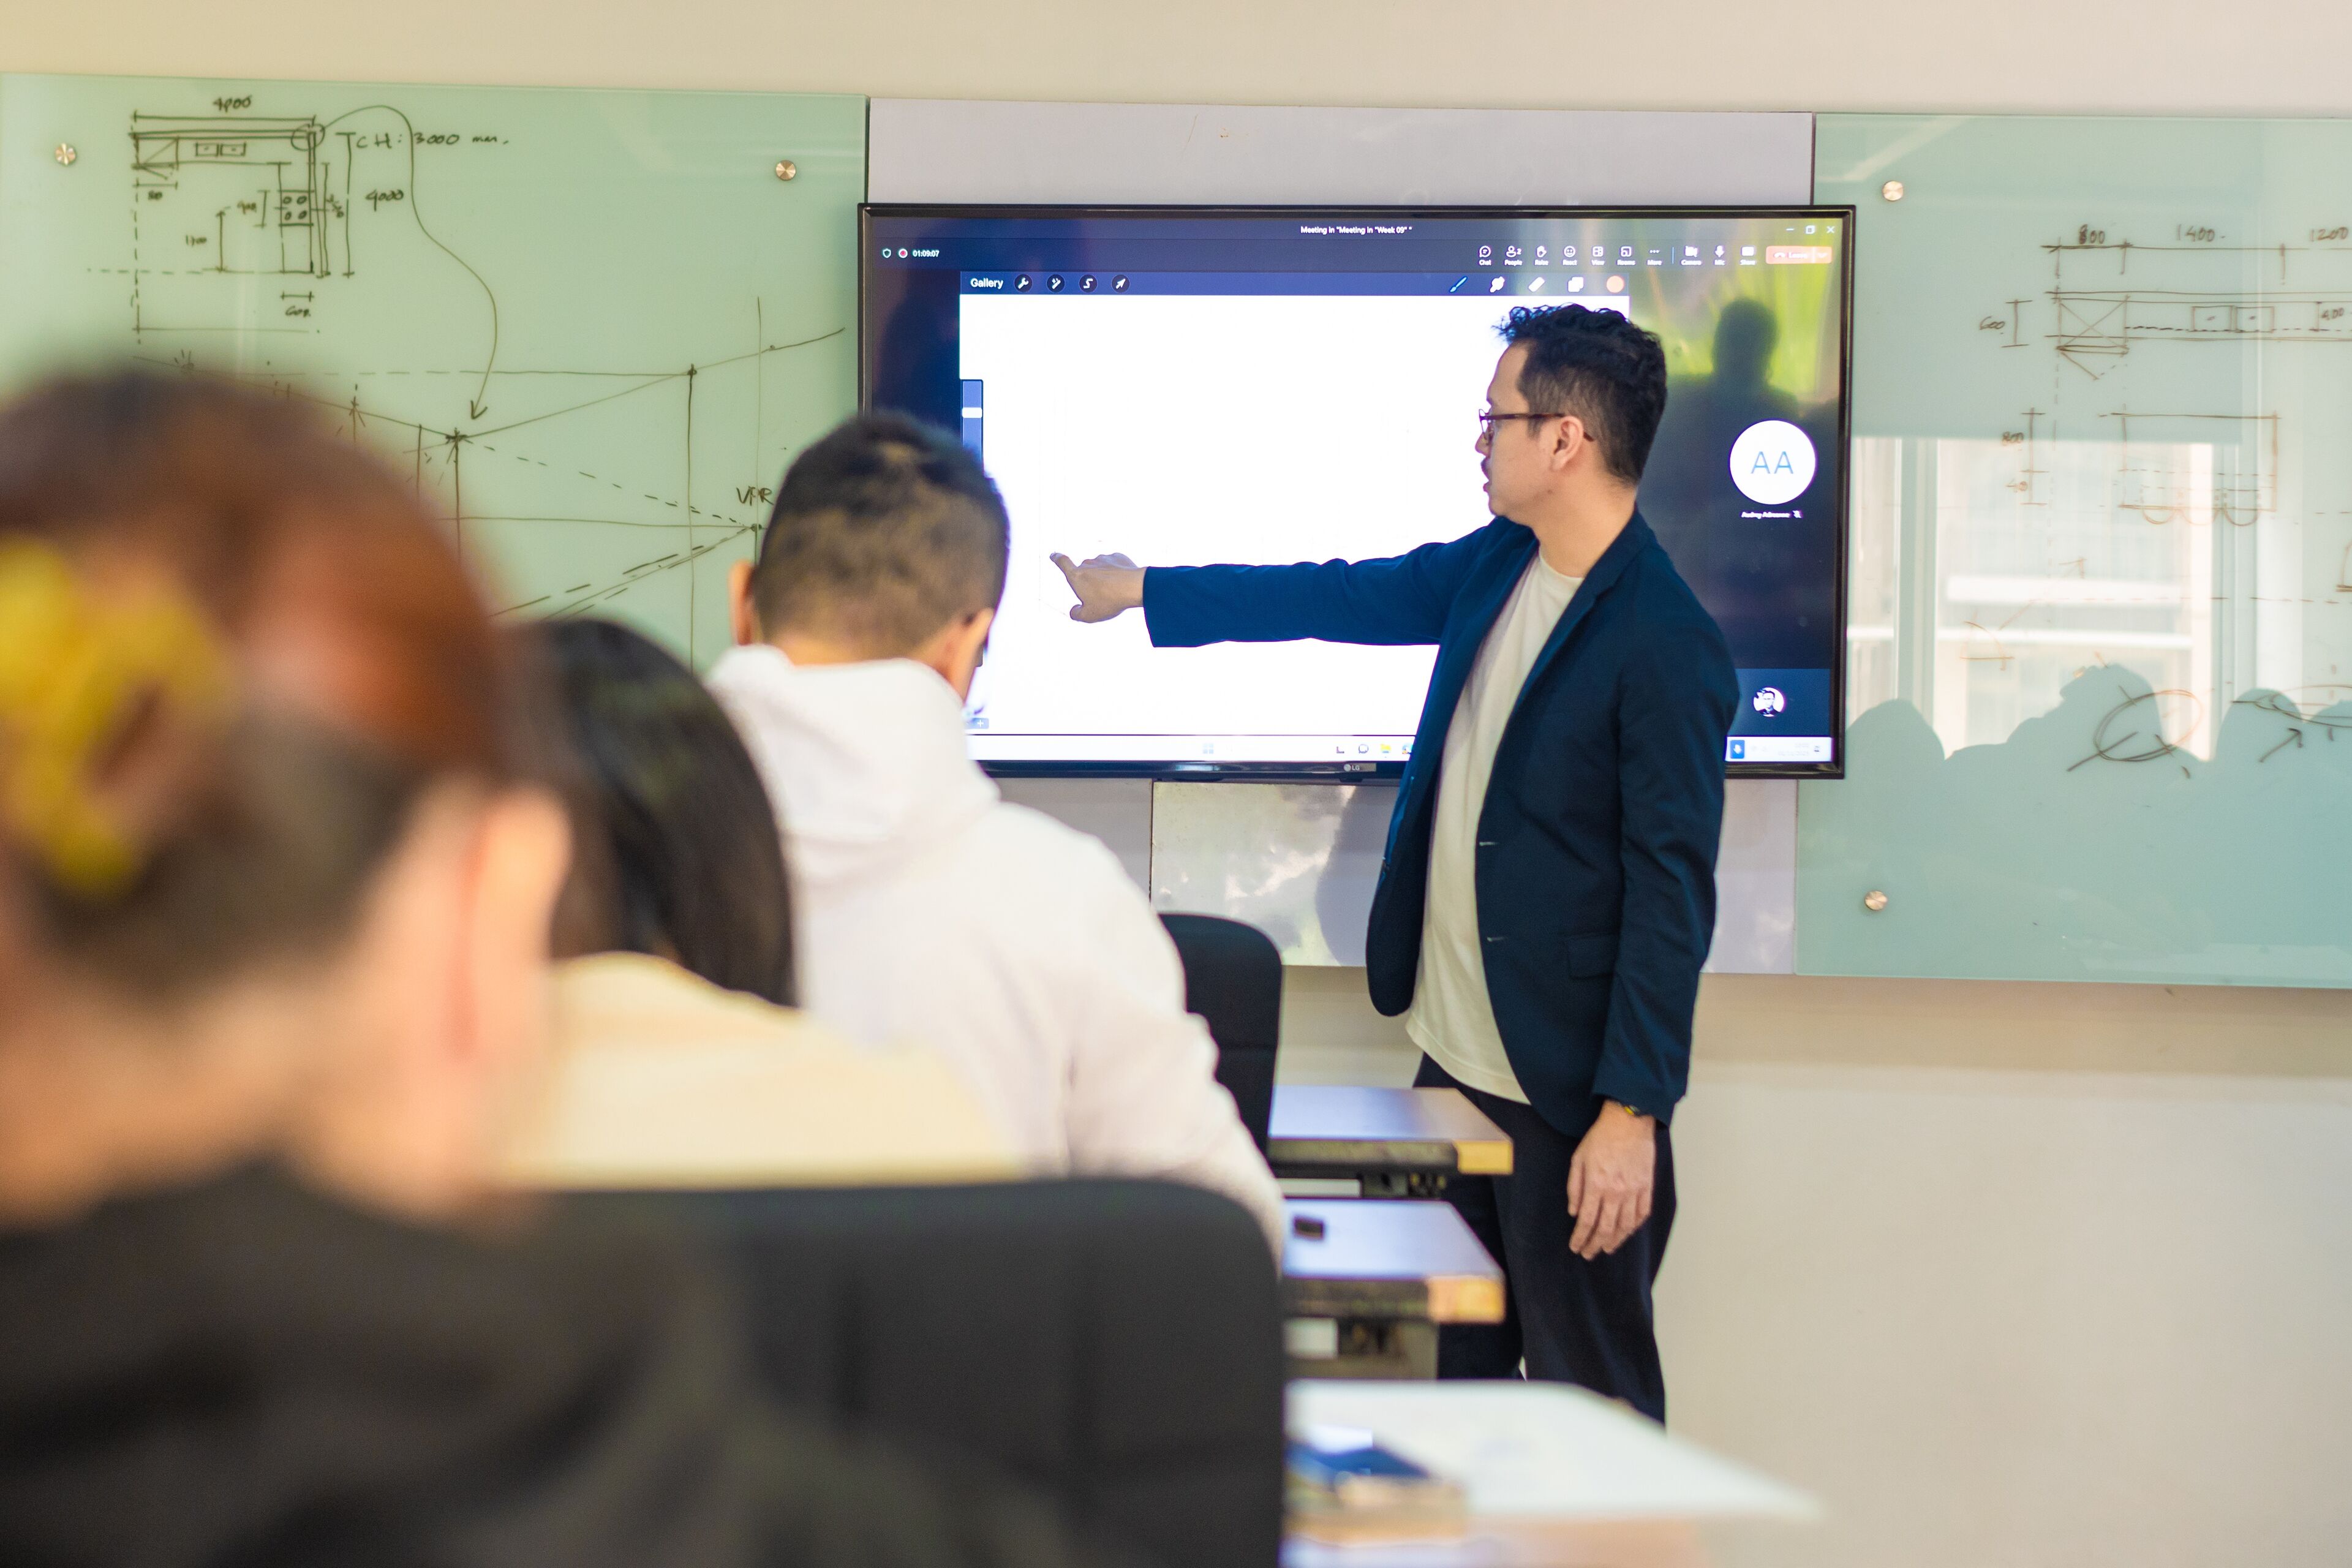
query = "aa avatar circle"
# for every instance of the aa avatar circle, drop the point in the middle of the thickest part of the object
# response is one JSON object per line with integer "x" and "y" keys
{"x": 1772, "y": 462}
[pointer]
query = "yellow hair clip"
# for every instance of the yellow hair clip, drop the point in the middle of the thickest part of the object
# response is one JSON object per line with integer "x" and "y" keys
{"x": 72, "y": 672}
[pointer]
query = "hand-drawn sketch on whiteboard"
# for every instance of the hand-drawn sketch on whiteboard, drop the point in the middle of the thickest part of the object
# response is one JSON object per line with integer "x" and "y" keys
{"x": 2100, "y": 654}
{"x": 285, "y": 226}
{"x": 594, "y": 326}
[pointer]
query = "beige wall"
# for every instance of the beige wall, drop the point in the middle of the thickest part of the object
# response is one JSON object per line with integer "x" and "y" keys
{"x": 2286, "y": 57}
{"x": 2006, "y": 1274}
{"x": 2009, "y": 1274}
{"x": 2023, "y": 1274}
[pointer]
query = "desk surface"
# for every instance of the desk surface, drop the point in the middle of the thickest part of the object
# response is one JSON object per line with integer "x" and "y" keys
{"x": 1547, "y": 1452}
{"x": 1334, "y": 1127}
{"x": 1377, "y": 1259}
{"x": 1555, "y": 1475}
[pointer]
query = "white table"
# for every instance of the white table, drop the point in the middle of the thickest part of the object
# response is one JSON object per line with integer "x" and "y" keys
{"x": 1558, "y": 1478}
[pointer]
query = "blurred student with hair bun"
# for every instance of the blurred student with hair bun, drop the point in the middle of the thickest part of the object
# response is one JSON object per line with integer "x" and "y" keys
{"x": 275, "y": 894}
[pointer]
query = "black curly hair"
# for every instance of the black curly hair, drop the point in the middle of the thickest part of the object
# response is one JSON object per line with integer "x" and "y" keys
{"x": 1601, "y": 367}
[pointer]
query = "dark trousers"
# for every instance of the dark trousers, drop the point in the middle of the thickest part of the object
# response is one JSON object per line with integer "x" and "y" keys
{"x": 1574, "y": 1321}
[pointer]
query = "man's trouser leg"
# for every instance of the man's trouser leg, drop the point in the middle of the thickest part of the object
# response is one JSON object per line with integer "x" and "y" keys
{"x": 1576, "y": 1321}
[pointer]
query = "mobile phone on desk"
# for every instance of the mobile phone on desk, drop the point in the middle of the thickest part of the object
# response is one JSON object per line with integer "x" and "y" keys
{"x": 1360, "y": 1473}
{"x": 1345, "y": 1486}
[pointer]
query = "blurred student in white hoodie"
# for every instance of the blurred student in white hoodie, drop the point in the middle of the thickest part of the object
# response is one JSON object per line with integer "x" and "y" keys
{"x": 928, "y": 908}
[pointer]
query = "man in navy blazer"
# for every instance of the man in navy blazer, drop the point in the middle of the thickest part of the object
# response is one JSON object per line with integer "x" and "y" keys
{"x": 1548, "y": 894}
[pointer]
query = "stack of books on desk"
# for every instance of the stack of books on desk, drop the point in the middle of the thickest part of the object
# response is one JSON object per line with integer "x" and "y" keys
{"x": 1346, "y": 1489}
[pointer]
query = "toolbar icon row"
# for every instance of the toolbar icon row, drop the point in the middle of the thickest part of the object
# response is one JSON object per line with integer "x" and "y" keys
{"x": 1055, "y": 283}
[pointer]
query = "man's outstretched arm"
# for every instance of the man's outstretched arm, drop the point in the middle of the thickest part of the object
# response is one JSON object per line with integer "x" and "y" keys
{"x": 1399, "y": 599}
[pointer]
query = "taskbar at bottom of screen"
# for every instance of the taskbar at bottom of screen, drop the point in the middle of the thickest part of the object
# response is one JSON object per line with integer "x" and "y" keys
{"x": 1302, "y": 751}
{"x": 1293, "y": 751}
{"x": 1777, "y": 748}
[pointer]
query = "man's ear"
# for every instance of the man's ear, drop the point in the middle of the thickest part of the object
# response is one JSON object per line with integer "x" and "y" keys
{"x": 1570, "y": 440}
{"x": 743, "y": 616}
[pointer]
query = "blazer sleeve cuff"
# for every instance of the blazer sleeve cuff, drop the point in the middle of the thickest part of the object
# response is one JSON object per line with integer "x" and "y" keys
{"x": 1171, "y": 609}
{"x": 1649, "y": 1099}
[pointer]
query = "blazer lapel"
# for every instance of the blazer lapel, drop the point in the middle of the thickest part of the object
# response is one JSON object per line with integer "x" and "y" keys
{"x": 1630, "y": 542}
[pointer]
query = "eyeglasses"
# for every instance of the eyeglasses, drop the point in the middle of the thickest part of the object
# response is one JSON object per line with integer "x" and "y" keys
{"x": 1487, "y": 421}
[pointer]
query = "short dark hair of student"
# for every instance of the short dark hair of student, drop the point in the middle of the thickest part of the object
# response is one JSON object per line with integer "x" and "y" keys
{"x": 1601, "y": 367}
{"x": 883, "y": 533}
{"x": 670, "y": 812}
{"x": 357, "y": 667}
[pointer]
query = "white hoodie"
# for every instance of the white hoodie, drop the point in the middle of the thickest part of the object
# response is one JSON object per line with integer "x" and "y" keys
{"x": 927, "y": 909}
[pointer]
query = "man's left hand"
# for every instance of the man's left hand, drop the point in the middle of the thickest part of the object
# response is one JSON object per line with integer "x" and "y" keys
{"x": 1611, "y": 1180}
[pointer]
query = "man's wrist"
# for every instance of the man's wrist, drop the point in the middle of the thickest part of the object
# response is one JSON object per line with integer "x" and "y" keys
{"x": 1620, "y": 1108}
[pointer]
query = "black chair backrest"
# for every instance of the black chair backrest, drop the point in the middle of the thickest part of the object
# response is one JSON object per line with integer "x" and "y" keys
{"x": 1118, "y": 1344}
{"x": 1232, "y": 978}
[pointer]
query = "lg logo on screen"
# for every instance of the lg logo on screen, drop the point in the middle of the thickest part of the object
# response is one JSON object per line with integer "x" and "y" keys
{"x": 1772, "y": 462}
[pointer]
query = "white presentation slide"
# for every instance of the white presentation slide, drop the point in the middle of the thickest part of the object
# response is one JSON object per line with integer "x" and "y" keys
{"x": 1191, "y": 429}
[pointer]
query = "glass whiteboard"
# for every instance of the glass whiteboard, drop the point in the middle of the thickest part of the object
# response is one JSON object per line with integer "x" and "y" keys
{"x": 2100, "y": 649}
{"x": 594, "y": 326}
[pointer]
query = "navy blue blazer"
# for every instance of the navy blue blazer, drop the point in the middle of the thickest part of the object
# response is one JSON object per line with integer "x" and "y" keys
{"x": 1597, "y": 841}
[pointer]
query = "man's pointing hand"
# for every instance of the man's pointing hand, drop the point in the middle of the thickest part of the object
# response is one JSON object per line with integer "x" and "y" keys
{"x": 1106, "y": 586}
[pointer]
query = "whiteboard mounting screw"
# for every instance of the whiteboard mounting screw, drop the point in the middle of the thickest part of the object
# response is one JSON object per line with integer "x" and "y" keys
{"x": 1874, "y": 901}
{"x": 65, "y": 154}
{"x": 786, "y": 169}
{"x": 1892, "y": 190}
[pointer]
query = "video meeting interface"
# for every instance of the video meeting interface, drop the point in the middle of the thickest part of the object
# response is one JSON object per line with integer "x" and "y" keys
{"x": 1266, "y": 386}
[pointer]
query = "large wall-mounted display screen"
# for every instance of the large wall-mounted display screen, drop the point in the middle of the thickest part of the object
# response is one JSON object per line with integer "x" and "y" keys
{"x": 1188, "y": 386}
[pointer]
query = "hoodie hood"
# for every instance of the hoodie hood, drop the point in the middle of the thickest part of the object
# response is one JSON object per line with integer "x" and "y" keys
{"x": 868, "y": 759}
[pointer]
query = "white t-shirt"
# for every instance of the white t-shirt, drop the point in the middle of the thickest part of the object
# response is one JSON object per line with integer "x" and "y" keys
{"x": 1452, "y": 1017}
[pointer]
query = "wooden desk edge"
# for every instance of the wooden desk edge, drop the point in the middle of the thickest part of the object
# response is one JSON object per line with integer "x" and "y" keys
{"x": 1352, "y": 1156}
{"x": 1483, "y": 1156}
{"x": 1385, "y": 1300}
{"x": 1524, "y": 1542}
{"x": 1442, "y": 1298}
{"x": 1465, "y": 1299}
